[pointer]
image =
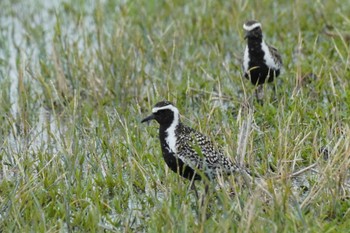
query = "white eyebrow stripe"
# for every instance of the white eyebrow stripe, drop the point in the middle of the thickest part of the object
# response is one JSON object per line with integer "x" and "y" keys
{"x": 251, "y": 27}
{"x": 169, "y": 107}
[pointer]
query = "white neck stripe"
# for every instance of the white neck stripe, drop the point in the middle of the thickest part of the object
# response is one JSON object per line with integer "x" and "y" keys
{"x": 171, "y": 136}
{"x": 251, "y": 27}
{"x": 270, "y": 62}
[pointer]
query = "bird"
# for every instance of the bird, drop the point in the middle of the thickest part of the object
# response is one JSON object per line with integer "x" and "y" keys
{"x": 261, "y": 62}
{"x": 185, "y": 150}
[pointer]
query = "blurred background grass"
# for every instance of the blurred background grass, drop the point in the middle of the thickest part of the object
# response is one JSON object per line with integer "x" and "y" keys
{"x": 77, "y": 76}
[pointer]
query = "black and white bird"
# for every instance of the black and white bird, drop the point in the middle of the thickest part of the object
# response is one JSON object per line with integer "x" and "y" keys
{"x": 186, "y": 151}
{"x": 261, "y": 62}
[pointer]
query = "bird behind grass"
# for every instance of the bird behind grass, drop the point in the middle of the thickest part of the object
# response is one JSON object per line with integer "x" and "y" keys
{"x": 261, "y": 62}
{"x": 186, "y": 151}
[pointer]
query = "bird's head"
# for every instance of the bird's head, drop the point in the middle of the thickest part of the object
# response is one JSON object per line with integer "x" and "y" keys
{"x": 165, "y": 113}
{"x": 252, "y": 29}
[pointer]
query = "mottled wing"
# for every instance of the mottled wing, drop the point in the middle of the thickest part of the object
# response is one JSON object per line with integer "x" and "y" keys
{"x": 185, "y": 151}
{"x": 276, "y": 55}
{"x": 199, "y": 153}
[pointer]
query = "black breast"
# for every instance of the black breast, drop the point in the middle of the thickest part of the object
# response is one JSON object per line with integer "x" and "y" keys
{"x": 174, "y": 163}
{"x": 259, "y": 72}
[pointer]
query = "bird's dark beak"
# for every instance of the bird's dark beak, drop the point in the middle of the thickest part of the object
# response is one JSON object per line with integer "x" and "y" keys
{"x": 246, "y": 34}
{"x": 150, "y": 117}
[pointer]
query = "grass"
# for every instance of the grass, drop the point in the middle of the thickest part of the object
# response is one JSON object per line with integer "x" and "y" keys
{"x": 77, "y": 77}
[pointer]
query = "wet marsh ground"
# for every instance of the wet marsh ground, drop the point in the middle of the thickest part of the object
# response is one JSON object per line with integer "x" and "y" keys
{"x": 78, "y": 76}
